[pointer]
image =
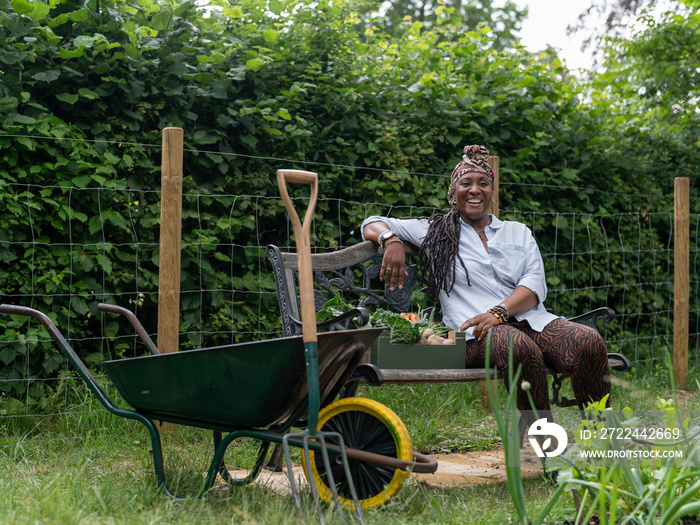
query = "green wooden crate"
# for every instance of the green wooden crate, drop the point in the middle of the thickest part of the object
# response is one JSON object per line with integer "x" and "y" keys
{"x": 384, "y": 354}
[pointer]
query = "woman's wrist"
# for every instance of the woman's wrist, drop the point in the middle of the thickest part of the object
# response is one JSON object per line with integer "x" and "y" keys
{"x": 392, "y": 240}
{"x": 500, "y": 312}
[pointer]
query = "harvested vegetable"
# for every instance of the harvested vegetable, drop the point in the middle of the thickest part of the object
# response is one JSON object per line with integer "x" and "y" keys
{"x": 401, "y": 329}
{"x": 410, "y": 328}
{"x": 411, "y": 317}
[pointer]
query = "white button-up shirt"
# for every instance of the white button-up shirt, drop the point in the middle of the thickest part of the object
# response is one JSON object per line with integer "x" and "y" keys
{"x": 513, "y": 259}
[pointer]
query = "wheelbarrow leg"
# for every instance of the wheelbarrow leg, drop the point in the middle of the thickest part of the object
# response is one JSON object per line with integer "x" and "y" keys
{"x": 275, "y": 462}
{"x": 215, "y": 467}
{"x": 159, "y": 464}
{"x": 254, "y": 472}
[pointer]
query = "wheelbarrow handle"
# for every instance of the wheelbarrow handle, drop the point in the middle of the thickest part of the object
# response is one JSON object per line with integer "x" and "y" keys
{"x": 12, "y": 309}
{"x": 63, "y": 344}
{"x": 138, "y": 327}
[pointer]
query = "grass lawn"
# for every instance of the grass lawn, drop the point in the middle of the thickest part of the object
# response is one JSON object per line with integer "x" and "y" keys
{"x": 92, "y": 467}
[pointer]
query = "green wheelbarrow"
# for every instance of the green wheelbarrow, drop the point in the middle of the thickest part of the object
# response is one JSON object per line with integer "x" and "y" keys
{"x": 356, "y": 452}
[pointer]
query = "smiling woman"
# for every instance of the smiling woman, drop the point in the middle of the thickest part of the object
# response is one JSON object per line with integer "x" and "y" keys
{"x": 497, "y": 289}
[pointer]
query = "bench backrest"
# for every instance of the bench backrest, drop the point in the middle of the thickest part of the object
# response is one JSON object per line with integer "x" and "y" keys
{"x": 350, "y": 270}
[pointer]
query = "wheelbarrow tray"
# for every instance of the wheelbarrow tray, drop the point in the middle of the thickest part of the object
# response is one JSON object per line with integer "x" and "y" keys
{"x": 258, "y": 384}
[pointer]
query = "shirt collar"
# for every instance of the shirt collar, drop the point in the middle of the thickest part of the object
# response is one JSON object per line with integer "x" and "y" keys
{"x": 496, "y": 223}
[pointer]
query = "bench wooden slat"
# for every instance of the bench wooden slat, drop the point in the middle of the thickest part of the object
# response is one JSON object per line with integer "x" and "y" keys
{"x": 451, "y": 375}
{"x": 434, "y": 375}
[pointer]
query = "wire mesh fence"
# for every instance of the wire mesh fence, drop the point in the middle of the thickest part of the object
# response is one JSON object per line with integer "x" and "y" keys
{"x": 64, "y": 249}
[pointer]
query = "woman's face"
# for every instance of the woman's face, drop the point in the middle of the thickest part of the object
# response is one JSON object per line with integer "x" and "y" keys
{"x": 473, "y": 192}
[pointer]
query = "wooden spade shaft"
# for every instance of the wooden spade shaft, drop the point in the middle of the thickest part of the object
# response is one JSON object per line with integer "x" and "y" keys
{"x": 302, "y": 232}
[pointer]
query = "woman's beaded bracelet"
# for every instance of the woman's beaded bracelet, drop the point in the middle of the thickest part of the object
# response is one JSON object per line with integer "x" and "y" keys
{"x": 497, "y": 315}
{"x": 502, "y": 308}
{"x": 500, "y": 312}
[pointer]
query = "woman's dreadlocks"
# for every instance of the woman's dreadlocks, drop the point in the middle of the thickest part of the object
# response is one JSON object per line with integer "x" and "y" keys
{"x": 439, "y": 253}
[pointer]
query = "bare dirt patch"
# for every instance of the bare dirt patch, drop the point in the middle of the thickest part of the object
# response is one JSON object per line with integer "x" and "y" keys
{"x": 480, "y": 466}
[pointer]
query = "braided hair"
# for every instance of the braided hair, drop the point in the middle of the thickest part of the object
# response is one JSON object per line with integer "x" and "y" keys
{"x": 439, "y": 253}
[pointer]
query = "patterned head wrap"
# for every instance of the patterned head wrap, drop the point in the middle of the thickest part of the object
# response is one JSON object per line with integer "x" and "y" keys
{"x": 475, "y": 159}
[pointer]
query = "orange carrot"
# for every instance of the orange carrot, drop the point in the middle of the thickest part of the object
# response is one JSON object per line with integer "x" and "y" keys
{"x": 411, "y": 317}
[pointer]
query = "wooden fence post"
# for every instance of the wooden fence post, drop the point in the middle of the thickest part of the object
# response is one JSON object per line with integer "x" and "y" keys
{"x": 681, "y": 280}
{"x": 170, "y": 235}
{"x": 494, "y": 162}
{"x": 170, "y": 248}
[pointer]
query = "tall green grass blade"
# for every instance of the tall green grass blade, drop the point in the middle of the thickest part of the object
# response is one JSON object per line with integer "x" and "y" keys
{"x": 613, "y": 496}
{"x": 679, "y": 508}
{"x": 510, "y": 443}
{"x": 553, "y": 499}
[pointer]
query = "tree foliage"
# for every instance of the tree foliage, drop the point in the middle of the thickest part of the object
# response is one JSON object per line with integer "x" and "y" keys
{"x": 617, "y": 15}
{"x": 504, "y": 21}
{"x": 659, "y": 65}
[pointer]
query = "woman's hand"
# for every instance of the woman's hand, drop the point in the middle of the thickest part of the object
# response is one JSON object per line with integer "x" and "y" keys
{"x": 521, "y": 300}
{"x": 482, "y": 323}
{"x": 393, "y": 265}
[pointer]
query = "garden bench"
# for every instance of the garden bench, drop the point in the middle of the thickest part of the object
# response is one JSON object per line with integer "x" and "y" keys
{"x": 352, "y": 270}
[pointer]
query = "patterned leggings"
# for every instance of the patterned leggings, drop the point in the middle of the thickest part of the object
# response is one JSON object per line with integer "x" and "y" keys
{"x": 564, "y": 346}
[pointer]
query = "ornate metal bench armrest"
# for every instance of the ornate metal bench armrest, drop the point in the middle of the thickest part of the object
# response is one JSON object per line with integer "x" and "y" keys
{"x": 624, "y": 366}
{"x": 364, "y": 373}
{"x": 590, "y": 318}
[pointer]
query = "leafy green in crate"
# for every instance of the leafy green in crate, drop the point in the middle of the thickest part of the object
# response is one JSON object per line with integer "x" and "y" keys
{"x": 402, "y": 330}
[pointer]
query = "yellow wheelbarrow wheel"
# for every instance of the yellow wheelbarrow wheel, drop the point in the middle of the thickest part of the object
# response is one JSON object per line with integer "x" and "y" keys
{"x": 366, "y": 425}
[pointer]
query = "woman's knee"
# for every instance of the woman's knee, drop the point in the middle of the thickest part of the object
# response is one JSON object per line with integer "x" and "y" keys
{"x": 506, "y": 340}
{"x": 527, "y": 353}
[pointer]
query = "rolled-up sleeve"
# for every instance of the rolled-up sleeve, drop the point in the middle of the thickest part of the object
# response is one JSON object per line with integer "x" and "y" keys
{"x": 411, "y": 230}
{"x": 370, "y": 220}
{"x": 533, "y": 276}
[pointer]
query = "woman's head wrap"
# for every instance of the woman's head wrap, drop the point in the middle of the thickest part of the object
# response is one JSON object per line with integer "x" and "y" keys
{"x": 475, "y": 159}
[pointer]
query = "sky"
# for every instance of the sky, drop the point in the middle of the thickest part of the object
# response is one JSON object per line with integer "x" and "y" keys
{"x": 546, "y": 24}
